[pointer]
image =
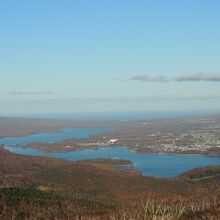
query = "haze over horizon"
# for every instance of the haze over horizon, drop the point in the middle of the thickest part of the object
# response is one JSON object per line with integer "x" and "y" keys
{"x": 109, "y": 56}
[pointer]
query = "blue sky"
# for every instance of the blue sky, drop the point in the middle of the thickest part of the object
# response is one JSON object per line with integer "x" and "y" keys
{"x": 73, "y": 56}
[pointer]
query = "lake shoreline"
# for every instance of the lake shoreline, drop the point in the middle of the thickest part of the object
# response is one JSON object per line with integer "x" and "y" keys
{"x": 125, "y": 154}
{"x": 64, "y": 146}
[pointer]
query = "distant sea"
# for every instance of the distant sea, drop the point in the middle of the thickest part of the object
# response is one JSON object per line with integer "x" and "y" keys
{"x": 141, "y": 115}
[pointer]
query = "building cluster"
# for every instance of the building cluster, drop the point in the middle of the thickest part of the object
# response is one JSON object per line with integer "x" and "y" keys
{"x": 99, "y": 143}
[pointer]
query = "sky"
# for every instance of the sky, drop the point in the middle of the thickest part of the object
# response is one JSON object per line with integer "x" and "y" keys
{"x": 114, "y": 55}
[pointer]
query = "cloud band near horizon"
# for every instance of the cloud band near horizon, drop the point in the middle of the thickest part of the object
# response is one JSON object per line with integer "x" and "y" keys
{"x": 210, "y": 77}
{"x": 30, "y": 93}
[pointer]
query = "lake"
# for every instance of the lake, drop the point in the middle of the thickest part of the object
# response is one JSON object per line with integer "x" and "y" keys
{"x": 158, "y": 165}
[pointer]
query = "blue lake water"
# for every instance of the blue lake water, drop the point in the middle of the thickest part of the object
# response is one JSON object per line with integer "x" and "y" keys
{"x": 65, "y": 134}
{"x": 159, "y": 165}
